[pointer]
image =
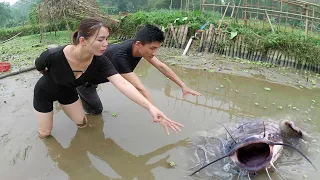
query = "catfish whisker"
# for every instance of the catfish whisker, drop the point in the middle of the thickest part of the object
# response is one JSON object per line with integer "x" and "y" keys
{"x": 268, "y": 174}
{"x": 277, "y": 171}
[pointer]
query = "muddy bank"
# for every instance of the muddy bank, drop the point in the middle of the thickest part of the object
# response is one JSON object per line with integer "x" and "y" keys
{"x": 240, "y": 67}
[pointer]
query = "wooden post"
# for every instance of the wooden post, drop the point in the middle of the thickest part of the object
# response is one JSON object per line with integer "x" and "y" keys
{"x": 234, "y": 6}
{"x": 245, "y": 12}
{"x": 258, "y": 11}
{"x": 208, "y": 44}
{"x": 238, "y": 9}
{"x": 269, "y": 20}
{"x": 185, "y": 33}
{"x": 286, "y": 22}
{"x": 214, "y": 2}
{"x": 166, "y": 39}
{"x": 181, "y": 36}
{"x": 251, "y": 5}
{"x": 312, "y": 19}
{"x": 174, "y": 36}
{"x": 225, "y": 11}
{"x": 280, "y": 16}
{"x": 307, "y": 20}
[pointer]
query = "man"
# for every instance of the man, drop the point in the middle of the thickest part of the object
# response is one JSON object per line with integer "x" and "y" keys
{"x": 125, "y": 56}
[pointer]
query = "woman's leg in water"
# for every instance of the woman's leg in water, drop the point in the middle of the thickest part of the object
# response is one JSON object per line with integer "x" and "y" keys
{"x": 45, "y": 121}
{"x": 75, "y": 112}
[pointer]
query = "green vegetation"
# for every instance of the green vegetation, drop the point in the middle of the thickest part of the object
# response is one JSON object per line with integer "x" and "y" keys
{"x": 295, "y": 44}
{"x": 22, "y": 51}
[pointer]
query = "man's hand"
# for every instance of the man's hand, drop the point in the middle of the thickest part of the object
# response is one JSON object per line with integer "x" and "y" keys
{"x": 165, "y": 122}
{"x": 186, "y": 91}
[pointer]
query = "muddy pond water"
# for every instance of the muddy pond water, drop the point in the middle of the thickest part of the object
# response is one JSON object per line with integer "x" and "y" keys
{"x": 123, "y": 143}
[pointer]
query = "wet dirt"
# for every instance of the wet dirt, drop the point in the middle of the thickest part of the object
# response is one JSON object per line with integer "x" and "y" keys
{"x": 123, "y": 143}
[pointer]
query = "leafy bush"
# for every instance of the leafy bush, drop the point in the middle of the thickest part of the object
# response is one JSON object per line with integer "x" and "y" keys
{"x": 304, "y": 49}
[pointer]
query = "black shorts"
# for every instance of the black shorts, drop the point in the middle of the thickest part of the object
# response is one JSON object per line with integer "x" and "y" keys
{"x": 44, "y": 97}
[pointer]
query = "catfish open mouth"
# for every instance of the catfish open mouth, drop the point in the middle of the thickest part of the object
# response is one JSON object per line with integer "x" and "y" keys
{"x": 253, "y": 156}
{"x": 255, "y": 153}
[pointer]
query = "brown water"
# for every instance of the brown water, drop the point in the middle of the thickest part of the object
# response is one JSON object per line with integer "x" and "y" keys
{"x": 129, "y": 146}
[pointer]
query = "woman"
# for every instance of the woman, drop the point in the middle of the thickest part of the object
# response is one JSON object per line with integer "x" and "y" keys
{"x": 64, "y": 68}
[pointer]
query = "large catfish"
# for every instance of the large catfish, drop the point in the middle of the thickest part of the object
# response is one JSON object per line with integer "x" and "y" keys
{"x": 256, "y": 145}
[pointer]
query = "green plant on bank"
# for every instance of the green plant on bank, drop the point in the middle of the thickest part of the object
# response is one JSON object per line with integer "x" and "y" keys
{"x": 292, "y": 44}
{"x": 6, "y": 33}
{"x": 195, "y": 19}
{"x": 22, "y": 51}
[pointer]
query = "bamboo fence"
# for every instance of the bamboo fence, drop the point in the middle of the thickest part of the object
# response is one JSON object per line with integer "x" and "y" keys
{"x": 285, "y": 15}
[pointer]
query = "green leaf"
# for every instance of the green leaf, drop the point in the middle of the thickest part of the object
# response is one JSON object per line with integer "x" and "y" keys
{"x": 172, "y": 164}
{"x": 233, "y": 34}
{"x": 175, "y": 21}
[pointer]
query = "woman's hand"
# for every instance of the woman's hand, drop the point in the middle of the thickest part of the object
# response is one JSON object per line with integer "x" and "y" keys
{"x": 159, "y": 117}
{"x": 132, "y": 93}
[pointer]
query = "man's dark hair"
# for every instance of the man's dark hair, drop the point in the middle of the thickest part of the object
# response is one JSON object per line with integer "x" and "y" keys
{"x": 149, "y": 33}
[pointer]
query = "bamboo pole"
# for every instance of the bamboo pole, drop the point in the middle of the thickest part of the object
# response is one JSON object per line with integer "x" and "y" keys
{"x": 245, "y": 11}
{"x": 293, "y": 18}
{"x": 312, "y": 20}
{"x": 273, "y": 11}
{"x": 166, "y": 40}
{"x": 250, "y": 12}
{"x": 213, "y": 34}
{"x": 225, "y": 11}
{"x": 174, "y": 36}
{"x": 213, "y": 6}
{"x": 238, "y": 9}
{"x": 238, "y": 49}
{"x": 209, "y": 38}
{"x": 280, "y": 16}
{"x": 181, "y": 36}
{"x": 216, "y": 36}
{"x": 269, "y": 21}
{"x": 234, "y": 6}
{"x": 11, "y": 38}
{"x": 201, "y": 41}
{"x": 307, "y": 22}
{"x": 185, "y": 33}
